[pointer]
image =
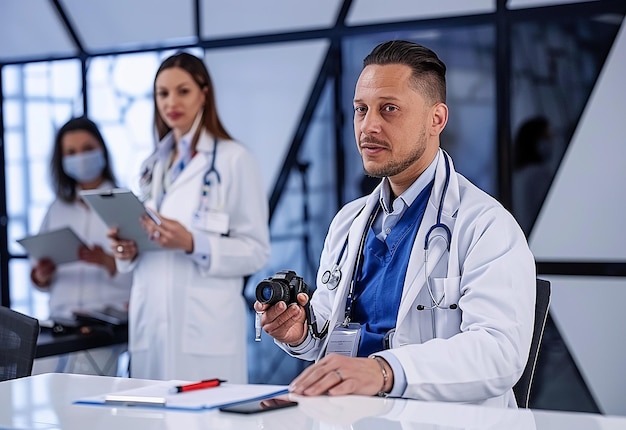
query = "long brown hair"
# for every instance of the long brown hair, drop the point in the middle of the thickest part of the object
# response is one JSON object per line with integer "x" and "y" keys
{"x": 200, "y": 74}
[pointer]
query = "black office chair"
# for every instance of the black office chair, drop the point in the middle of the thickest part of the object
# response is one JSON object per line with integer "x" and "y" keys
{"x": 542, "y": 304}
{"x": 18, "y": 341}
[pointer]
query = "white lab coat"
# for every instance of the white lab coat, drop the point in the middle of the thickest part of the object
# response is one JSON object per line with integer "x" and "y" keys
{"x": 188, "y": 320}
{"x": 481, "y": 348}
{"x": 81, "y": 285}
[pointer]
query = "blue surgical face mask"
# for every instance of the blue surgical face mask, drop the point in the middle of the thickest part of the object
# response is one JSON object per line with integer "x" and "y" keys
{"x": 84, "y": 167}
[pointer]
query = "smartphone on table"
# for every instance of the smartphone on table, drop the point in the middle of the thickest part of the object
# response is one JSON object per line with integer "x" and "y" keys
{"x": 259, "y": 406}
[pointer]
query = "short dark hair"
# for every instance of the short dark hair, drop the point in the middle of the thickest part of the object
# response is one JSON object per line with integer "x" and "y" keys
{"x": 64, "y": 186}
{"x": 429, "y": 72}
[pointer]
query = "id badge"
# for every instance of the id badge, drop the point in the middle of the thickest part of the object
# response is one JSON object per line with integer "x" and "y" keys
{"x": 215, "y": 222}
{"x": 345, "y": 340}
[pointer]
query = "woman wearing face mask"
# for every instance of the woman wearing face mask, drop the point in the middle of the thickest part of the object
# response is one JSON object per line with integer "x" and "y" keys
{"x": 80, "y": 161}
{"x": 187, "y": 313}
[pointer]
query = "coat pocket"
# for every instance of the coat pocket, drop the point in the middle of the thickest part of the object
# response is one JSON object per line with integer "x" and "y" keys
{"x": 447, "y": 293}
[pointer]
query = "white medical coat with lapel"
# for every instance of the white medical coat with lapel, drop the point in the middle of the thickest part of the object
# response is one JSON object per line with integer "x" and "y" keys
{"x": 187, "y": 320}
{"x": 481, "y": 348}
{"x": 80, "y": 285}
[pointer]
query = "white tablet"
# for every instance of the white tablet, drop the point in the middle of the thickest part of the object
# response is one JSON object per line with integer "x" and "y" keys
{"x": 60, "y": 246}
{"x": 119, "y": 207}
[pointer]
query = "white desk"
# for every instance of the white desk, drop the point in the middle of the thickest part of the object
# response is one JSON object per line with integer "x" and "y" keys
{"x": 45, "y": 402}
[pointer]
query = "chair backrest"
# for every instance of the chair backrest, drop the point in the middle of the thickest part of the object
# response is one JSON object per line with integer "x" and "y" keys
{"x": 18, "y": 341}
{"x": 542, "y": 304}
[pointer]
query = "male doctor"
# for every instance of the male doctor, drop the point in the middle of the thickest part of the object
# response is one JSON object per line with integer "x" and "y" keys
{"x": 426, "y": 287}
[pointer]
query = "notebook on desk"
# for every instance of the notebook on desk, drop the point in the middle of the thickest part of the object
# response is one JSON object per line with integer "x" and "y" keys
{"x": 159, "y": 395}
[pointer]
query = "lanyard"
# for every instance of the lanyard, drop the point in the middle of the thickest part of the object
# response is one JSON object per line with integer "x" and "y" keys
{"x": 357, "y": 265}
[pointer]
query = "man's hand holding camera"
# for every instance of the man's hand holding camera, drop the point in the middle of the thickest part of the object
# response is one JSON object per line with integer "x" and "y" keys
{"x": 283, "y": 304}
{"x": 285, "y": 323}
{"x": 281, "y": 301}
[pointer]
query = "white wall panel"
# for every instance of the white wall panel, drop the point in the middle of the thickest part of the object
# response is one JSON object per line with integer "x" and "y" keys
{"x": 231, "y": 18}
{"x": 589, "y": 313}
{"x": 581, "y": 220}
{"x": 373, "y": 11}
{"x": 119, "y": 24}
{"x": 32, "y": 29}
{"x": 261, "y": 94}
{"x": 584, "y": 211}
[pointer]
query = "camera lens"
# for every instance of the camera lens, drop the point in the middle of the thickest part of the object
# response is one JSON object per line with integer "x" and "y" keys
{"x": 267, "y": 293}
{"x": 270, "y": 292}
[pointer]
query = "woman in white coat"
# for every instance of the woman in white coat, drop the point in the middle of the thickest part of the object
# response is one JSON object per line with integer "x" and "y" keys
{"x": 187, "y": 312}
{"x": 456, "y": 324}
{"x": 80, "y": 161}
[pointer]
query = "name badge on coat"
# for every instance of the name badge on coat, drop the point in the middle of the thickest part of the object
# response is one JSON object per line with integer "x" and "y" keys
{"x": 344, "y": 340}
{"x": 212, "y": 221}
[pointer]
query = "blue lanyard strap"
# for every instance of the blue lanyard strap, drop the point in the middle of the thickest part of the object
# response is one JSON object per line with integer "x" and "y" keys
{"x": 357, "y": 265}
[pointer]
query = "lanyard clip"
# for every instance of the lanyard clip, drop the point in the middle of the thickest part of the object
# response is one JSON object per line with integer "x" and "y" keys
{"x": 346, "y": 321}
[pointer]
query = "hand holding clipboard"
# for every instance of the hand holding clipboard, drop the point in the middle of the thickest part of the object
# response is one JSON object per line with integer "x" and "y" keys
{"x": 59, "y": 246}
{"x": 121, "y": 209}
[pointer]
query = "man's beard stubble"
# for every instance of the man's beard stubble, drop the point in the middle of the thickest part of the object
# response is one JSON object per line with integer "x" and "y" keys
{"x": 395, "y": 167}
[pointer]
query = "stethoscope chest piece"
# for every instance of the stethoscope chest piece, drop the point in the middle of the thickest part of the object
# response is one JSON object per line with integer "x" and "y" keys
{"x": 332, "y": 277}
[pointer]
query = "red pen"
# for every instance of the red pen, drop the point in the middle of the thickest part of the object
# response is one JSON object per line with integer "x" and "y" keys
{"x": 209, "y": 383}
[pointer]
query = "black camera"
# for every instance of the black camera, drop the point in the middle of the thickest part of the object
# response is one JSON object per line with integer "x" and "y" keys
{"x": 284, "y": 286}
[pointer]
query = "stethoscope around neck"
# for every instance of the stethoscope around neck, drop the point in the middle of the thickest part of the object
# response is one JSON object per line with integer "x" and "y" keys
{"x": 332, "y": 277}
{"x": 437, "y": 230}
{"x": 211, "y": 178}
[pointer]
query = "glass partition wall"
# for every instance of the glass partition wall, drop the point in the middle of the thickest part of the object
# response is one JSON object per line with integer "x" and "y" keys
{"x": 541, "y": 84}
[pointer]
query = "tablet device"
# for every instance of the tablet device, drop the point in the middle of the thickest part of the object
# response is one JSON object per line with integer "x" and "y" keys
{"x": 61, "y": 246}
{"x": 255, "y": 406}
{"x": 119, "y": 207}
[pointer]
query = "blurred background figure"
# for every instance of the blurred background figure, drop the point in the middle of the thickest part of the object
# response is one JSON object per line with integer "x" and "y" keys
{"x": 532, "y": 169}
{"x": 80, "y": 161}
{"x": 187, "y": 311}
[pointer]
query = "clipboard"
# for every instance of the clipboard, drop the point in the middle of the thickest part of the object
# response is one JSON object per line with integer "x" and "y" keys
{"x": 119, "y": 207}
{"x": 160, "y": 395}
{"x": 60, "y": 246}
